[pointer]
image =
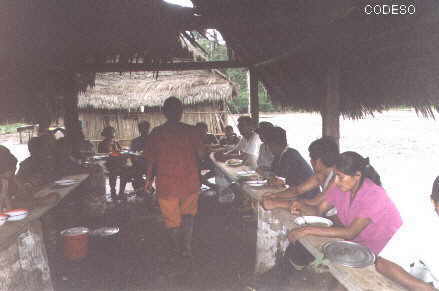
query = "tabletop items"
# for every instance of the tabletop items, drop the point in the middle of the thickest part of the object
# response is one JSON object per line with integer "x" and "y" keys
{"x": 348, "y": 253}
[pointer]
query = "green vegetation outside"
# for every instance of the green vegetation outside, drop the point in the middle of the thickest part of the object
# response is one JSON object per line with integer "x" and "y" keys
{"x": 10, "y": 128}
{"x": 218, "y": 52}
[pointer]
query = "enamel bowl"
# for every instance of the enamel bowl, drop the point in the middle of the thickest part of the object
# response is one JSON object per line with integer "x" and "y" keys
{"x": 17, "y": 214}
{"x": 3, "y": 218}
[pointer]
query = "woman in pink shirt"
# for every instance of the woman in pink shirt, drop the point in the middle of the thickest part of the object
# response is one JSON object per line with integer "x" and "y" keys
{"x": 366, "y": 213}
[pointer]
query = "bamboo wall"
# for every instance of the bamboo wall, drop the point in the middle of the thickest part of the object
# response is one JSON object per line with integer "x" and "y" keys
{"x": 125, "y": 123}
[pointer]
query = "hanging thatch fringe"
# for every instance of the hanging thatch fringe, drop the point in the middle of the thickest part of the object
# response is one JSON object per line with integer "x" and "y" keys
{"x": 132, "y": 91}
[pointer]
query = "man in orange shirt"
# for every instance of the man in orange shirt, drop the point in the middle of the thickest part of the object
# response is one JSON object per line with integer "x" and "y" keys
{"x": 174, "y": 150}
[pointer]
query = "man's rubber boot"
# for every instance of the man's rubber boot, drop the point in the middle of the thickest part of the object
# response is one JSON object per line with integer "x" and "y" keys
{"x": 188, "y": 229}
{"x": 175, "y": 237}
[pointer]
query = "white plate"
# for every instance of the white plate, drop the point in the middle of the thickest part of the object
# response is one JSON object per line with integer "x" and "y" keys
{"x": 246, "y": 173}
{"x": 66, "y": 182}
{"x": 96, "y": 158}
{"x": 234, "y": 162}
{"x": 331, "y": 212}
{"x": 17, "y": 214}
{"x": 256, "y": 183}
{"x": 313, "y": 221}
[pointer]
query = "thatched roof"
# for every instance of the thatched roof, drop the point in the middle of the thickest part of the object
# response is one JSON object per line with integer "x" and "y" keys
{"x": 113, "y": 91}
{"x": 384, "y": 60}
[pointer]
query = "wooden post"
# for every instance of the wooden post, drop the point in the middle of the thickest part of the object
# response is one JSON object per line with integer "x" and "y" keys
{"x": 253, "y": 95}
{"x": 330, "y": 109}
{"x": 71, "y": 115}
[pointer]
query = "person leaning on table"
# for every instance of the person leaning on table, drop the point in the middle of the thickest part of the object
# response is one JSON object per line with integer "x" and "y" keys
{"x": 367, "y": 214}
{"x": 287, "y": 162}
{"x": 323, "y": 153}
{"x": 248, "y": 147}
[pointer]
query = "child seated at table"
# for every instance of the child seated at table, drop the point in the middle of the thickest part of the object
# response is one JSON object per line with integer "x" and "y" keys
{"x": 230, "y": 137}
{"x": 115, "y": 163}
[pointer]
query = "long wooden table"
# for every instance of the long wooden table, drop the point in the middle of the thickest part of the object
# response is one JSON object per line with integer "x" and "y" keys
{"x": 272, "y": 230}
{"x": 23, "y": 258}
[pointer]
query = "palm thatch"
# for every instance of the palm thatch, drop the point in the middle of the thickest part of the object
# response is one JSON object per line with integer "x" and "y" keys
{"x": 132, "y": 91}
{"x": 383, "y": 60}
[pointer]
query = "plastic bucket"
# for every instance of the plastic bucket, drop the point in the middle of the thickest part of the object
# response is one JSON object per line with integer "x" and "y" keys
{"x": 75, "y": 243}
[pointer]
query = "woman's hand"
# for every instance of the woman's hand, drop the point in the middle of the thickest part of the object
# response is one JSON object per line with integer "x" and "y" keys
{"x": 269, "y": 195}
{"x": 268, "y": 204}
{"x": 296, "y": 208}
{"x": 276, "y": 181}
{"x": 296, "y": 234}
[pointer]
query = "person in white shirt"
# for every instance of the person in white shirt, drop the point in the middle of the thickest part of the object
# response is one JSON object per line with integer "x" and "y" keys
{"x": 419, "y": 276}
{"x": 266, "y": 157}
{"x": 248, "y": 147}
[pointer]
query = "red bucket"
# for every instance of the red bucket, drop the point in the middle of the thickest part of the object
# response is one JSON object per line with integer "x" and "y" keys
{"x": 75, "y": 243}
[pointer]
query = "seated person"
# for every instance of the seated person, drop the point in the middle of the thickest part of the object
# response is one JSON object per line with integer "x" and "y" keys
{"x": 139, "y": 167}
{"x": 248, "y": 147}
{"x": 367, "y": 214}
{"x": 8, "y": 165}
{"x": 115, "y": 163}
{"x": 206, "y": 164}
{"x": 109, "y": 144}
{"x": 385, "y": 265}
{"x": 39, "y": 168}
{"x": 230, "y": 137}
{"x": 288, "y": 163}
{"x": 138, "y": 143}
{"x": 208, "y": 138}
{"x": 85, "y": 146}
{"x": 323, "y": 154}
{"x": 266, "y": 157}
{"x": 65, "y": 164}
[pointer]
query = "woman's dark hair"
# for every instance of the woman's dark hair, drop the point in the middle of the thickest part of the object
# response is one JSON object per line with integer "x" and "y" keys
{"x": 8, "y": 162}
{"x": 351, "y": 162}
{"x": 324, "y": 149}
{"x": 108, "y": 131}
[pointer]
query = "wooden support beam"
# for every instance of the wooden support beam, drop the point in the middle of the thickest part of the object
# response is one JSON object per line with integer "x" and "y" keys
{"x": 330, "y": 108}
{"x": 181, "y": 66}
{"x": 253, "y": 95}
{"x": 71, "y": 115}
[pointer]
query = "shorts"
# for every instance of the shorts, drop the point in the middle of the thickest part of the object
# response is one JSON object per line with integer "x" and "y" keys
{"x": 173, "y": 208}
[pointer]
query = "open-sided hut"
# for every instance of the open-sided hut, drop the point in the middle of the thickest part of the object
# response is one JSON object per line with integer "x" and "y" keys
{"x": 336, "y": 57}
{"x": 122, "y": 100}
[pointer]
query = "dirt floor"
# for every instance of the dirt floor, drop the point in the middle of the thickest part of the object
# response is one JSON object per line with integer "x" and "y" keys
{"x": 140, "y": 256}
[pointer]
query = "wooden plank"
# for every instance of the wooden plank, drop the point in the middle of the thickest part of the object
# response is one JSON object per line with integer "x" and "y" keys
{"x": 330, "y": 108}
{"x": 140, "y": 67}
{"x": 273, "y": 227}
{"x": 253, "y": 95}
{"x": 10, "y": 230}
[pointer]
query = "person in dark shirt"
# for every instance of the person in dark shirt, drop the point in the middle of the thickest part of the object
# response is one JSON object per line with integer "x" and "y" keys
{"x": 208, "y": 138}
{"x": 288, "y": 163}
{"x": 139, "y": 167}
{"x": 206, "y": 164}
{"x": 39, "y": 168}
{"x": 230, "y": 137}
{"x": 65, "y": 164}
{"x": 8, "y": 165}
{"x": 138, "y": 144}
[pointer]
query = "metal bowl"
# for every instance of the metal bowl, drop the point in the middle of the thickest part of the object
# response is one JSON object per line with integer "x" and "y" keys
{"x": 348, "y": 253}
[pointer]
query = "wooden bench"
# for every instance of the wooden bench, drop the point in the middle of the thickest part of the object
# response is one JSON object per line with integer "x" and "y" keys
{"x": 29, "y": 129}
{"x": 273, "y": 228}
{"x": 24, "y": 263}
